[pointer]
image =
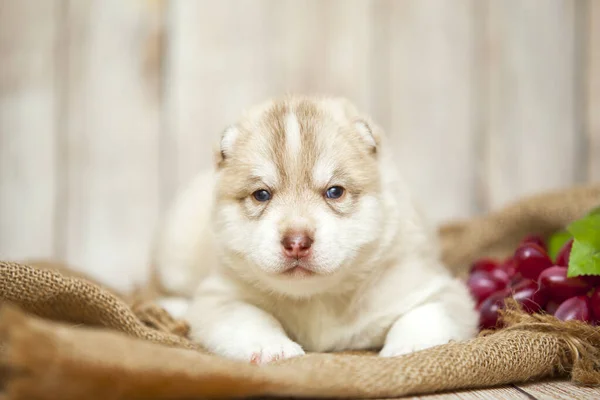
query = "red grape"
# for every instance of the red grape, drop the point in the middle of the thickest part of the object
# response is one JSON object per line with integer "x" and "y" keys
{"x": 531, "y": 260}
{"x": 509, "y": 266}
{"x": 484, "y": 264}
{"x": 575, "y": 308}
{"x": 554, "y": 280}
{"x": 562, "y": 258}
{"x": 531, "y": 279}
{"x": 535, "y": 239}
{"x": 529, "y": 295}
{"x": 595, "y": 304}
{"x": 482, "y": 285}
{"x": 501, "y": 277}
{"x": 488, "y": 309}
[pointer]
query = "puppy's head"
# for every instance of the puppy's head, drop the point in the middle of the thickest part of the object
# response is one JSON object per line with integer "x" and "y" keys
{"x": 298, "y": 194}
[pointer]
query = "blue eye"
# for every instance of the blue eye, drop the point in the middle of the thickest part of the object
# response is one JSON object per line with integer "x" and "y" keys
{"x": 262, "y": 195}
{"x": 334, "y": 192}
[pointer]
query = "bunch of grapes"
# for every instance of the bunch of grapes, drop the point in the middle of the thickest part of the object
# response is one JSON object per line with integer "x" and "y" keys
{"x": 536, "y": 282}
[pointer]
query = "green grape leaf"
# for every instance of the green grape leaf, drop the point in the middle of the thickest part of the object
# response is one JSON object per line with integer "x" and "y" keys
{"x": 584, "y": 260}
{"x": 556, "y": 242}
{"x": 587, "y": 230}
{"x": 585, "y": 254}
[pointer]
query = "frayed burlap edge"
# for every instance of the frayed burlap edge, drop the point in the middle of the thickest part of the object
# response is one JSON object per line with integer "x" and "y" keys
{"x": 581, "y": 341}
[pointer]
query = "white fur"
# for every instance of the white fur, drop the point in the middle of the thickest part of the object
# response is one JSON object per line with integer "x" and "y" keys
{"x": 365, "y": 133}
{"x": 292, "y": 133}
{"x": 184, "y": 249}
{"x": 177, "y": 307}
{"x": 322, "y": 171}
{"x": 228, "y": 139}
{"x": 379, "y": 282}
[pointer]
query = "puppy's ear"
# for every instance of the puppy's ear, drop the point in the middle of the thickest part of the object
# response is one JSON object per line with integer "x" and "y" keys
{"x": 226, "y": 144}
{"x": 367, "y": 133}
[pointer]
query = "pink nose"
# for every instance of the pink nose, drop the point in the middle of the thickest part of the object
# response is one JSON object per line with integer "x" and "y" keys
{"x": 296, "y": 245}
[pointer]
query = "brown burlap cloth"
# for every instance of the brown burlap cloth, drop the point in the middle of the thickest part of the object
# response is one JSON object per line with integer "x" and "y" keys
{"x": 64, "y": 337}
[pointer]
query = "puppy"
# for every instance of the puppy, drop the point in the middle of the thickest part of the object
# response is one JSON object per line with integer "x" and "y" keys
{"x": 305, "y": 238}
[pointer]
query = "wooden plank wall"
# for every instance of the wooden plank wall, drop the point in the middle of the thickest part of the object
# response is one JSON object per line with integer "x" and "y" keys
{"x": 533, "y": 132}
{"x": 29, "y": 105}
{"x": 107, "y": 107}
{"x": 591, "y": 84}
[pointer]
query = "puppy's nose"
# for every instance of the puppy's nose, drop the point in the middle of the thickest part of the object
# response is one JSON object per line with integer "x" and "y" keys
{"x": 296, "y": 244}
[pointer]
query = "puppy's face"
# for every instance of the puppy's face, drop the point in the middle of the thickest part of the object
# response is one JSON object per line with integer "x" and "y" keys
{"x": 298, "y": 201}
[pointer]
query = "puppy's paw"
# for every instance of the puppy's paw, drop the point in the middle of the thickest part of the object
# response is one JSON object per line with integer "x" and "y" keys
{"x": 264, "y": 351}
{"x": 275, "y": 352}
{"x": 427, "y": 326}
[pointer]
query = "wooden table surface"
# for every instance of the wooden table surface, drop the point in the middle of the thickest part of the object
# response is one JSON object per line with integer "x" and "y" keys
{"x": 550, "y": 390}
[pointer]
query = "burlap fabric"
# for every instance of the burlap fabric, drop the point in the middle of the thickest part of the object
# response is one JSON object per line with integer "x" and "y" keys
{"x": 84, "y": 342}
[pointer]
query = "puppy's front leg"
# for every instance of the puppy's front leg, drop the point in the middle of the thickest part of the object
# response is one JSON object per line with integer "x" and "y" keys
{"x": 425, "y": 326}
{"x": 235, "y": 329}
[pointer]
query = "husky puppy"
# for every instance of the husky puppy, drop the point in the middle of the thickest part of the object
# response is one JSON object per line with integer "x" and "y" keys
{"x": 305, "y": 238}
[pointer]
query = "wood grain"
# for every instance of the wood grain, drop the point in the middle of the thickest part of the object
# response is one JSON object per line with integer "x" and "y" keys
{"x": 560, "y": 391}
{"x": 532, "y": 139}
{"x": 432, "y": 109}
{"x": 112, "y": 137}
{"x": 28, "y": 121}
{"x": 322, "y": 48}
{"x": 592, "y": 84}
{"x": 501, "y": 393}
